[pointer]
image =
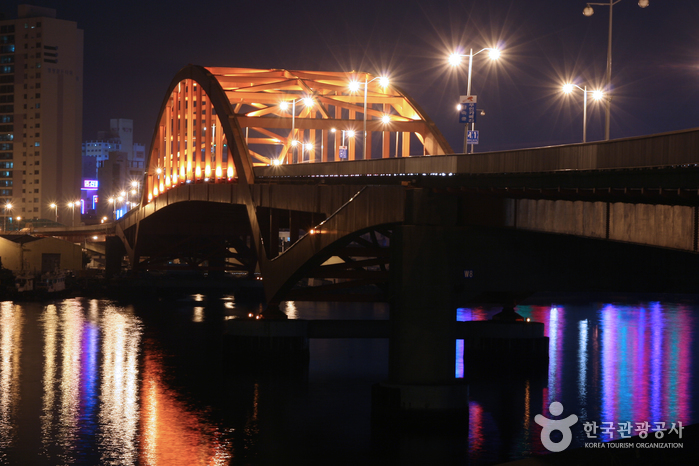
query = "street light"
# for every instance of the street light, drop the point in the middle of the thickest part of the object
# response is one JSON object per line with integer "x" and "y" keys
{"x": 455, "y": 60}
{"x": 588, "y": 11}
{"x": 354, "y": 87}
{"x": 308, "y": 102}
{"x": 568, "y": 88}
{"x": 72, "y": 206}
{"x": 8, "y": 207}
{"x": 55, "y": 209}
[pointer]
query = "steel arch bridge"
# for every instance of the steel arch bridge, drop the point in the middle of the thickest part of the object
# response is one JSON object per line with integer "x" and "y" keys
{"x": 216, "y": 124}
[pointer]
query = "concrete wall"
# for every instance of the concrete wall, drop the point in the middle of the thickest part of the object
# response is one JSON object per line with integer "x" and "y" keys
{"x": 653, "y": 225}
{"x": 14, "y": 254}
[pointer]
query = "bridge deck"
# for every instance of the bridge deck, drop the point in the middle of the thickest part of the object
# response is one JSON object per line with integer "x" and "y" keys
{"x": 660, "y": 150}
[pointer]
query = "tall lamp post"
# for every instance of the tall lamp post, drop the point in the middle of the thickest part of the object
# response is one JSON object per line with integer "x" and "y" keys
{"x": 455, "y": 60}
{"x": 73, "y": 205}
{"x": 308, "y": 102}
{"x": 588, "y": 11}
{"x": 8, "y": 207}
{"x": 354, "y": 87}
{"x": 135, "y": 186}
{"x": 596, "y": 95}
{"x": 55, "y": 210}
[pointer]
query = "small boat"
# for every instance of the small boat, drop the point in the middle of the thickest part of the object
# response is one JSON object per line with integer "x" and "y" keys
{"x": 52, "y": 282}
{"x": 24, "y": 283}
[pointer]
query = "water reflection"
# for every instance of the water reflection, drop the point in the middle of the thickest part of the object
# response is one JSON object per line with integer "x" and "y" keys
{"x": 103, "y": 397}
{"x": 104, "y": 390}
{"x": 119, "y": 408}
{"x": 607, "y": 363}
{"x": 170, "y": 433}
{"x": 10, "y": 352}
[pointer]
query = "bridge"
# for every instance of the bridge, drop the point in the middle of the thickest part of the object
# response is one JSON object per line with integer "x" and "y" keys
{"x": 376, "y": 206}
{"x": 239, "y": 155}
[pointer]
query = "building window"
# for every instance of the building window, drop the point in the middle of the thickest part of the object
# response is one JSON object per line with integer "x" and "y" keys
{"x": 36, "y": 172}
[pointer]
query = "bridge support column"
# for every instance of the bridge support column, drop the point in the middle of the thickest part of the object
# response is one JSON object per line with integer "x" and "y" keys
{"x": 114, "y": 252}
{"x": 423, "y": 314}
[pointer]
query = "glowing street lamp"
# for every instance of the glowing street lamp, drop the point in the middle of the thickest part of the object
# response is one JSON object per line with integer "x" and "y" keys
{"x": 568, "y": 88}
{"x": 588, "y": 11}
{"x": 72, "y": 206}
{"x": 113, "y": 202}
{"x": 308, "y": 102}
{"x": 8, "y": 207}
{"x": 455, "y": 60}
{"x": 55, "y": 210}
{"x": 354, "y": 87}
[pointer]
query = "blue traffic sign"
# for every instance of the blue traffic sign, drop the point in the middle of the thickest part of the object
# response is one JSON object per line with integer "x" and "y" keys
{"x": 472, "y": 137}
{"x": 343, "y": 153}
{"x": 467, "y": 114}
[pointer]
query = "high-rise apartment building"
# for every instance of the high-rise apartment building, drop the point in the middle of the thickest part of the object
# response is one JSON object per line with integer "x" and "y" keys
{"x": 41, "y": 98}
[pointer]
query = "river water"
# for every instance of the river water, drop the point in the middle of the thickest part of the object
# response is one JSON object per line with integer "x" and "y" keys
{"x": 86, "y": 381}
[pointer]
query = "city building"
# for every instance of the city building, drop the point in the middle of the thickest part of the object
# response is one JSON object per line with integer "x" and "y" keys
{"x": 41, "y": 98}
{"x": 112, "y": 167}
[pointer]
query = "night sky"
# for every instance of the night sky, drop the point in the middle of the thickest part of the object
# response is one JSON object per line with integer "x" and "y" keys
{"x": 134, "y": 48}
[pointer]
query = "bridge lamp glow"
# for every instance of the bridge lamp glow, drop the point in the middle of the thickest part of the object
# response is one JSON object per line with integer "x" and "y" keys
{"x": 350, "y": 133}
{"x": 494, "y": 54}
{"x": 229, "y": 172}
{"x": 308, "y": 102}
{"x": 455, "y": 59}
{"x": 568, "y": 88}
{"x": 219, "y": 172}
{"x": 309, "y": 147}
{"x": 332, "y": 130}
{"x": 284, "y": 106}
{"x": 597, "y": 95}
{"x": 383, "y": 81}
{"x": 294, "y": 143}
{"x": 276, "y": 162}
{"x": 158, "y": 171}
{"x": 385, "y": 119}
{"x": 354, "y": 86}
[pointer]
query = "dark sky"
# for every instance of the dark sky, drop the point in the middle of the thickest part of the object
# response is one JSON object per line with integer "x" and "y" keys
{"x": 134, "y": 48}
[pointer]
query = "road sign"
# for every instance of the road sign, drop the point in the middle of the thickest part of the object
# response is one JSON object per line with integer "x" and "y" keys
{"x": 472, "y": 137}
{"x": 343, "y": 152}
{"x": 468, "y": 109}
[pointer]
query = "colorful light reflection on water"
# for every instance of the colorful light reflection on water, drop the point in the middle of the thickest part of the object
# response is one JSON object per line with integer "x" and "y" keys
{"x": 607, "y": 363}
{"x": 102, "y": 397}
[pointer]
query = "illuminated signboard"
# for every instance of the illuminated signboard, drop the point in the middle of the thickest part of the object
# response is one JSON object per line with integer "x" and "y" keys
{"x": 90, "y": 184}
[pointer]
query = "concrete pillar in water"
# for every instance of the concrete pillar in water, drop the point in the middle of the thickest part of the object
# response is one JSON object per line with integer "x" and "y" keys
{"x": 423, "y": 314}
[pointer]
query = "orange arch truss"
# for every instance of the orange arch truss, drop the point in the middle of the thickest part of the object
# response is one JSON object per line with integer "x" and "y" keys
{"x": 274, "y": 116}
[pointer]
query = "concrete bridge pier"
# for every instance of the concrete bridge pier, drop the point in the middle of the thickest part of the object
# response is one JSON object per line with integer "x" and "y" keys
{"x": 423, "y": 314}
